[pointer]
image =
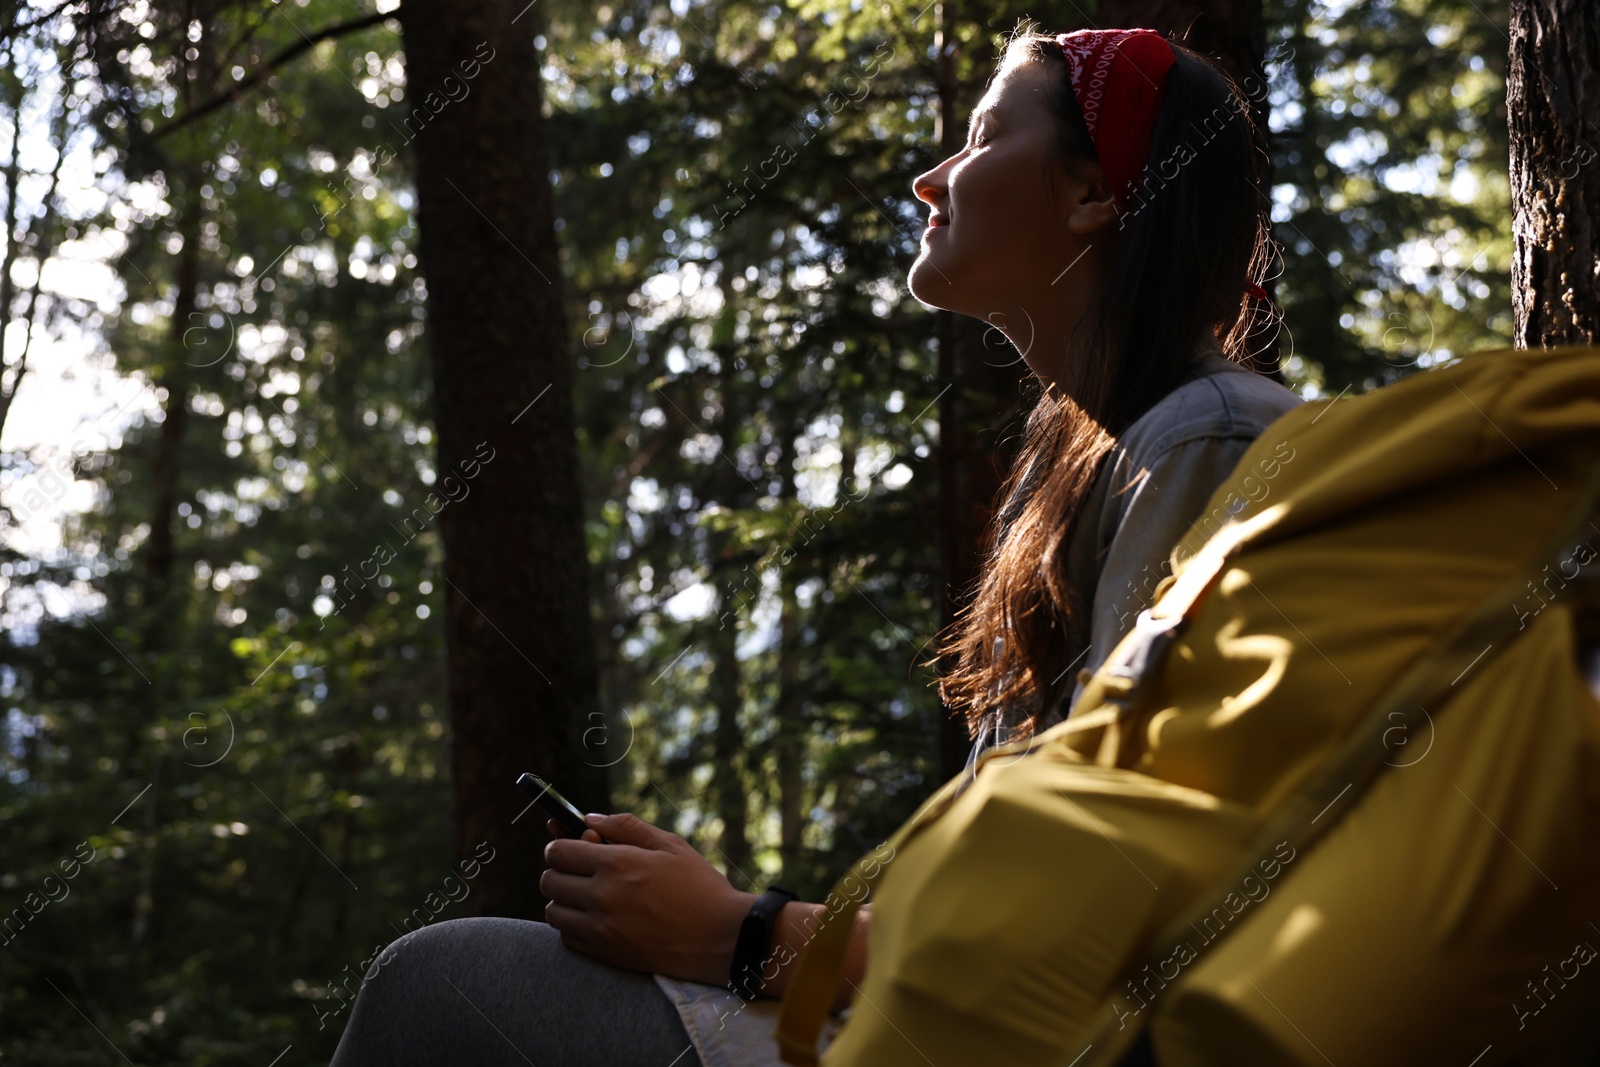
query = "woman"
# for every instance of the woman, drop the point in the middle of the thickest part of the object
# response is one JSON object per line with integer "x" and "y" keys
{"x": 1108, "y": 215}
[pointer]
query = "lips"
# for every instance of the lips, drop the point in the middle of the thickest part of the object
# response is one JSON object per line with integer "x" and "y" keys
{"x": 937, "y": 219}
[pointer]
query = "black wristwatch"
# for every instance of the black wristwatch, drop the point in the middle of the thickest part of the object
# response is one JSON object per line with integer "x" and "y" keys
{"x": 754, "y": 944}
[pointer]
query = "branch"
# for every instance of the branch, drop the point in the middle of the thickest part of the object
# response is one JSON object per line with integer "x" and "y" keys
{"x": 43, "y": 248}
{"x": 270, "y": 67}
{"x": 7, "y": 32}
{"x": 11, "y": 176}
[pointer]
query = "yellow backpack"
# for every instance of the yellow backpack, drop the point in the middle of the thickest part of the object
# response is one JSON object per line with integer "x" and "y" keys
{"x": 1335, "y": 800}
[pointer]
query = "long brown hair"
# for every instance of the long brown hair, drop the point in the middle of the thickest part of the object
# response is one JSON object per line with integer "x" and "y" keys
{"x": 1195, "y": 232}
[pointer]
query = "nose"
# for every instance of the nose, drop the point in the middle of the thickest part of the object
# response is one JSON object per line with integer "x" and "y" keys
{"x": 932, "y": 187}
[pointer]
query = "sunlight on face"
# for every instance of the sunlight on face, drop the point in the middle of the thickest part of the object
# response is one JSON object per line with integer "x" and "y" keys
{"x": 996, "y": 231}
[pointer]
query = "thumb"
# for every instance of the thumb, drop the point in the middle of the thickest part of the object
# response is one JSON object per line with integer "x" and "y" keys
{"x": 627, "y": 828}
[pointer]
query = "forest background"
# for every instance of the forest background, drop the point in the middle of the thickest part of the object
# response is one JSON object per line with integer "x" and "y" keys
{"x": 227, "y": 710}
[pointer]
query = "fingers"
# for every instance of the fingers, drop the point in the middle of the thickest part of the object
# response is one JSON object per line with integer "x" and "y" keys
{"x": 627, "y": 828}
{"x": 569, "y": 890}
{"x": 576, "y": 932}
{"x": 558, "y": 831}
{"x": 572, "y": 923}
{"x": 575, "y": 857}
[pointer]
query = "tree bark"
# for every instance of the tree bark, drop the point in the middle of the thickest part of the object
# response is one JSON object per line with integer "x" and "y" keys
{"x": 1553, "y": 97}
{"x": 521, "y": 665}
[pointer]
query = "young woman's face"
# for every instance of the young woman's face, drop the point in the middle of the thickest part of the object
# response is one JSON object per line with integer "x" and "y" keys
{"x": 1003, "y": 231}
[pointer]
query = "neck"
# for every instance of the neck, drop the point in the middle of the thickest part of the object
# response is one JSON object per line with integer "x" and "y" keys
{"x": 1042, "y": 333}
{"x": 1044, "y": 341}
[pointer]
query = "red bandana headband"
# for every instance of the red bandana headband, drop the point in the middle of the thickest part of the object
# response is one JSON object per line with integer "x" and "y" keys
{"x": 1120, "y": 80}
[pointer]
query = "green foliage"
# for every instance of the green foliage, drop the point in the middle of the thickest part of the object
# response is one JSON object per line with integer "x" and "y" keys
{"x": 251, "y": 733}
{"x": 1392, "y": 203}
{"x": 786, "y": 213}
{"x": 271, "y": 762}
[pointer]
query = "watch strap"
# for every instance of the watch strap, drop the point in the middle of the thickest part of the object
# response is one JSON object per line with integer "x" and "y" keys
{"x": 754, "y": 944}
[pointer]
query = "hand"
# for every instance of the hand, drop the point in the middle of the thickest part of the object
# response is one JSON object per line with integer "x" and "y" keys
{"x": 646, "y": 900}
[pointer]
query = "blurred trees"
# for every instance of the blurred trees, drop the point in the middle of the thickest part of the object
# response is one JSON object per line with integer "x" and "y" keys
{"x": 1391, "y": 207}
{"x": 201, "y": 684}
{"x": 223, "y": 585}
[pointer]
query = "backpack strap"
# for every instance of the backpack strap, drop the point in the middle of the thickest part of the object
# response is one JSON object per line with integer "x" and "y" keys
{"x": 1138, "y": 658}
{"x": 820, "y": 968}
{"x": 816, "y": 976}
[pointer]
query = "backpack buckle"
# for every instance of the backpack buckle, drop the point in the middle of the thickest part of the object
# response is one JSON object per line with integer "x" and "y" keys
{"x": 1139, "y": 656}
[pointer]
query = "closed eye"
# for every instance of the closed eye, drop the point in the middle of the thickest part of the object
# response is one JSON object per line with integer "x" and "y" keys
{"x": 980, "y": 133}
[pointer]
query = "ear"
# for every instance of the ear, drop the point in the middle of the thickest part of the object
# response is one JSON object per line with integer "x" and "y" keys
{"x": 1088, "y": 204}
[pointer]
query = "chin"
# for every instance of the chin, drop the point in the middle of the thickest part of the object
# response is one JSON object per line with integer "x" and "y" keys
{"x": 930, "y": 286}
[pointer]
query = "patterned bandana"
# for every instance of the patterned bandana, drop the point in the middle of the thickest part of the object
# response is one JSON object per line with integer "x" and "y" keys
{"x": 1120, "y": 79}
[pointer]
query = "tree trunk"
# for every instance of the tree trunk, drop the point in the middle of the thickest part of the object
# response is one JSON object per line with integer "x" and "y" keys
{"x": 789, "y": 735}
{"x": 175, "y": 379}
{"x": 978, "y": 395}
{"x": 727, "y": 740}
{"x": 1553, "y": 84}
{"x": 738, "y": 590}
{"x": 164, "y": 615}
{"x": 520, "y": 659}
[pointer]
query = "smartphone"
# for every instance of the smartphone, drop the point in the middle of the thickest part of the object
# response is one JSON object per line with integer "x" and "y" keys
{"x": 554, "y": 804}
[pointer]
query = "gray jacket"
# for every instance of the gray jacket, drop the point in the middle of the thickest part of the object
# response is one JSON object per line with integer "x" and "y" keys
{"x": 1150, "y": 491}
